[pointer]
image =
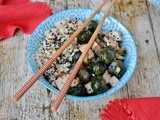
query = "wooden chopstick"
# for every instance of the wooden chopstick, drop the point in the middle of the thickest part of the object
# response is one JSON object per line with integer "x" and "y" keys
{"x": 73, "y": 73}
{"x": 42, "y": 70}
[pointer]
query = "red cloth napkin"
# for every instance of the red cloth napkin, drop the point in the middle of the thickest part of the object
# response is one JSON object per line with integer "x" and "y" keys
{"x": 21, "y": 14}
{"x": 132, "y": 109}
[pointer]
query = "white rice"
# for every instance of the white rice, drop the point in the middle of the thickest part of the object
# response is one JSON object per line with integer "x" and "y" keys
{"x": 54, "y": 38}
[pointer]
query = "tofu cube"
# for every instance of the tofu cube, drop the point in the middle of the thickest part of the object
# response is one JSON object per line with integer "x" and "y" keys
{"x": 114, "y": 81}
{"x": 106, "y": 77}
{"x": 83, "y": 47}
{"x": 61, "y": 81}
{"x": 96, "y": 47}
{"x": 89, "y": 88}
{"x": 90, "y": 54}
{"x": 75, "y": 82}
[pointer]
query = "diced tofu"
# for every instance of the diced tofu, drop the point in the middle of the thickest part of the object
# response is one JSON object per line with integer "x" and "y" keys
{"x": 83, "y": 48}
{"x": 114, "y": 81}
{"x": 89, "y": 88}
{"x": 96, "y": 47}
{"x": 61, "y": 81}
{"x": 90, "y": 54}
{"x": 106, "y": 77}
{"x": 75, "y": 82}
{"x": 86, "y": 60}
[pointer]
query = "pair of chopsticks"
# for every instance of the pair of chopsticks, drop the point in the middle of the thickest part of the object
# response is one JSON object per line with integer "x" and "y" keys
{"x": 73, "y": 73}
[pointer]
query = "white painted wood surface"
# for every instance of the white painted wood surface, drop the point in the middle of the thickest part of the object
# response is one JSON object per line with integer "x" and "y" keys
{"x": 143, "y": 21}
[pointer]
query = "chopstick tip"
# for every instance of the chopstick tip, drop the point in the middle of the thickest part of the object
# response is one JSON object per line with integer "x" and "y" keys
{"x": 15, "y": 99}
{"x": 53, "y": 109}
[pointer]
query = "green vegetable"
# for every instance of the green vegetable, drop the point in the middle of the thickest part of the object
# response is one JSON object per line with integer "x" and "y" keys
{"x": 84, "y": 75}
{"x": 84, "y": 36}
{"x": 77, "y": 55}
{"x": 107, "y": 55}
{"x": 79, "y": 90}
{"x": 99, "y": 85}
{"x": 117, "y": 68}
{"x": 101, "y": 36}
{"x": 109, "y": 48}
{"x": 98, "y": 68}
{"x": 92, "y": 26}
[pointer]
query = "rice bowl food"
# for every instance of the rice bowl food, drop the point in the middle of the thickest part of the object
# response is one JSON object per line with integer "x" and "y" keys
{"x": 102, "y": 67}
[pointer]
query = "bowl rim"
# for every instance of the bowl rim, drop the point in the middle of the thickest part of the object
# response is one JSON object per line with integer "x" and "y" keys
{"x": 86, "y": 98}
{"x": 155, "y": 3}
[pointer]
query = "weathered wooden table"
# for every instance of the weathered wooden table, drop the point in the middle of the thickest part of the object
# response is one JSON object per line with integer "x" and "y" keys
{"x": 143, "y": 21}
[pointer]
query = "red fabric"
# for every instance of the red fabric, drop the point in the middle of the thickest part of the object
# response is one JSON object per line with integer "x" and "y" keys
{"x": 132, "y": 109}
{"x": 21, "y": 14}
{"x": 8, "y": 2}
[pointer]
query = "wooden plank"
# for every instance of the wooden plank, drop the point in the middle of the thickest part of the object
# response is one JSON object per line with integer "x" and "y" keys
{"x": 15, "y": 73}
{"x": 83, "y": 3}
{"x": 154, "y": 13}
{"x": 94, "y": 4}
{"x": 57, "y": 5}
{"x": 72, "y": 4}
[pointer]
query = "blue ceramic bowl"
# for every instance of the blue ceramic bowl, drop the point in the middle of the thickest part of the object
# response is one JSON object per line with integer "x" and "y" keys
{"x": 155, "y": 2}
{"x": 110, "y": 24}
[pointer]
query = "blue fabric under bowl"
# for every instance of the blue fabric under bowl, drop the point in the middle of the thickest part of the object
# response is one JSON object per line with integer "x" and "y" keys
{"x": 110, "y": 24}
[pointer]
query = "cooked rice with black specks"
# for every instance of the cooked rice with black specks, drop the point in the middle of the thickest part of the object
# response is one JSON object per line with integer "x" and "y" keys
{"x": 54, "y": 39}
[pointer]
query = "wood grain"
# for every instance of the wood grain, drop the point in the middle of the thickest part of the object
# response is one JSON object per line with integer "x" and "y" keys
{"x": 143, "y": 21}
{"x": 154, "y": 14}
